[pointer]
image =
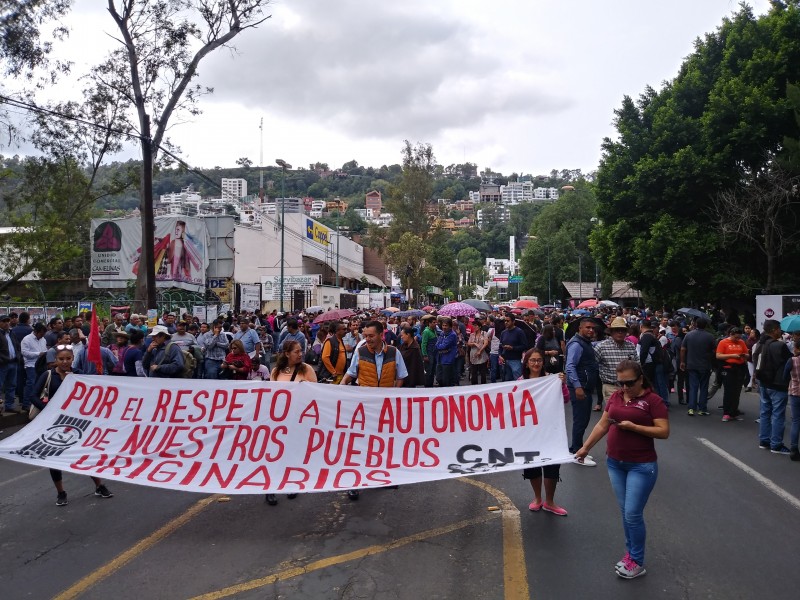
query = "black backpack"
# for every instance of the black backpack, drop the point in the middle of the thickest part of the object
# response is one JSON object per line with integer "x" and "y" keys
{"x": 41, "y": 364}
{"x": 322, "y": 372}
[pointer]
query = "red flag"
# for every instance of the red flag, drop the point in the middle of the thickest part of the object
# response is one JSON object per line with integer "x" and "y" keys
{"x": 93, "y": 349}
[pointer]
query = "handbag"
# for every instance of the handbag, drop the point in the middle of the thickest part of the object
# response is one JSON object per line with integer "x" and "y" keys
{"x": 44, "y": 396}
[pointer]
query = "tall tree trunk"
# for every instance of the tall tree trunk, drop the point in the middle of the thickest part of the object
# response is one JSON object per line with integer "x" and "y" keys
{"x": 146, "y": 278}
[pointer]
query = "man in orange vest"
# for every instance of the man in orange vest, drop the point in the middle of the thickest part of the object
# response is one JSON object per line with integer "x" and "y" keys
{"x": 375, "y": 364}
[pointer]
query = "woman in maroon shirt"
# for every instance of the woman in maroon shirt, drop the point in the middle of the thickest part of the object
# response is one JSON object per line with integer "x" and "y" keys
{"x": 633, "y": 418}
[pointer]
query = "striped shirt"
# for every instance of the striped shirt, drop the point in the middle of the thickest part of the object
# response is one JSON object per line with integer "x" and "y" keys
{"x": 609, "y": 354}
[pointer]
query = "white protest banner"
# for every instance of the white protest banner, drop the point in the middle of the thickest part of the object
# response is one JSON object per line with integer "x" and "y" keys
{"x": 258, "y": 437}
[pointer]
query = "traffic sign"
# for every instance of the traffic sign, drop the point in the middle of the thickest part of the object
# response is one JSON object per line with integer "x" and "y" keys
{"x": 515, "y": 279}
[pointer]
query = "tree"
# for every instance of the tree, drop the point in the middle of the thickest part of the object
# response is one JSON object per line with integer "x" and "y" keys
{"x": 161, "y": 46}
{"x": 408, "y": 201}
{"x": 49, "y": 214}
{"x": 718, "y": 125}
{"x": 244, "y": 162}
{"x": 764, "y": 212}
{"x": 559, "y": 243}
{"x": 24, "y": 47}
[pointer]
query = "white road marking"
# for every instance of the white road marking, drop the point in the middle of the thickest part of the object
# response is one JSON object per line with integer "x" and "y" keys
{"x": 767, "y": 483}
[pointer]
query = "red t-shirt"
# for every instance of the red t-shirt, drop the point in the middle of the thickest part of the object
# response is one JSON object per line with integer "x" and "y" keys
{"x": 629, "y": 446}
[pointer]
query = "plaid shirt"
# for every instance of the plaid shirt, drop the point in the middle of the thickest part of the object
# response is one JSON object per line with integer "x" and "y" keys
{"x": 794, "y": 382}
{"x": 609, "y": 354}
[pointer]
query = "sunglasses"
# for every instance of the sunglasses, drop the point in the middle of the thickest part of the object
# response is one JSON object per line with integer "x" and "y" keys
{"x": 629, "y": 383}
{"x": 64, "y": 347}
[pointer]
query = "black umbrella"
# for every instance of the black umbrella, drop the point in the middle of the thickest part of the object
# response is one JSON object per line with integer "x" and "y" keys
{"x": 599, "y": 331}
{"x": 693, "y": 312}
{"x": 478, "y": 304}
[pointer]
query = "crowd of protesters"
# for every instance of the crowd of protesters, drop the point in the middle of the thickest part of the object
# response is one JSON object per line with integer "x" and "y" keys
{"x": 626, "y": 363}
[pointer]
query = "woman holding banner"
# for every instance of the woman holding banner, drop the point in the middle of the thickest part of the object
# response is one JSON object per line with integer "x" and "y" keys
{"x": 290, "y": 367}
{"x": 634, "y": 417}
{"x": 46, "y": 386}
{"x": 533, "y": 366}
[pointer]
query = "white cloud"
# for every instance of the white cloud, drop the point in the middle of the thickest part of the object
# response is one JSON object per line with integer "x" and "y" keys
{"x": 512, "y": 84}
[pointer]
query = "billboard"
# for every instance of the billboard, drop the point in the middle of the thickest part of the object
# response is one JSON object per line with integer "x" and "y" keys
{"x": 775, "y": 307}
{"x": 180, "y": 251}
{"x": 317, "y": 232}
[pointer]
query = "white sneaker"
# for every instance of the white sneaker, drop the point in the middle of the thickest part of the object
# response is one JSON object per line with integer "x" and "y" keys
{"x": 586, "y": 461}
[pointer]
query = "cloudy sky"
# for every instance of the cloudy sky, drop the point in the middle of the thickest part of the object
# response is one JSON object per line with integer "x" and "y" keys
{"x": 515, "y": 85}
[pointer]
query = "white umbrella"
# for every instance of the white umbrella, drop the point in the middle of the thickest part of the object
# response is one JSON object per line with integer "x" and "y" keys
{"x": 608, "y": 303}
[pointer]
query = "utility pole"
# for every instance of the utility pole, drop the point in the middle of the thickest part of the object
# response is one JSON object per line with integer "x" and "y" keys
{"x": 283, "y": 165}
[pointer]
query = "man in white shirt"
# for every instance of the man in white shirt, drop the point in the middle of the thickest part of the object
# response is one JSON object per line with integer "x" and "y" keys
{"x": 33, "y": 346}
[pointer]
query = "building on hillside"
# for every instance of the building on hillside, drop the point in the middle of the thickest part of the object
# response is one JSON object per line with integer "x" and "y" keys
{"x": 490, "y": 192}
{"x": 465, "y": 223}
{"x": 475, "y": 197}
{"x": 336, "y": 206}
{"x": 365, "y": 213}
{"x": 233, "y": 189}
{"x": 516, "y": 192}
{"x": 501, "y": 213}
{"x": 317, "y": 208}
{"x": 464, "y": 205}
{"x": 373, "y": 202}
{"x": 292, "y": 206}
{"x": 541, "y": 193}
{"x": 383, "y": 220}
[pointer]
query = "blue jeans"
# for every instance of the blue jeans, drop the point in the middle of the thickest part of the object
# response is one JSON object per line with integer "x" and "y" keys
{"x": 211, "y": 368}
{"x": 632, "y": 484}
{"x": 494, "y": 367}
{"x": 773, "y": 417}
{"x": 8, "y": 383}
{"x": 581, "y": 413}
{"x": 513, "y": 370}
{"x": 794, "y": 434}
{"x": 30, "y": 382}
{"x": 697, "y": 395}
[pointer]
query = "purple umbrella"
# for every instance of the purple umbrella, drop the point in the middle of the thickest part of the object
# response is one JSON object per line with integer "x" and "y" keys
{"x": 457, "y": 309}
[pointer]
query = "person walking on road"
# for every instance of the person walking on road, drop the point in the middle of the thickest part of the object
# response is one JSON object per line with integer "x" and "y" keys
{"x": 533, "y": 366}
{"x": 634, "y": 417}
{"x": 46, "y": 387}
{"x": 773, "y": 387}
{"x": 582, "y": 370}
{"x": 697, "y": 358}
{"x": 375, "y": 364}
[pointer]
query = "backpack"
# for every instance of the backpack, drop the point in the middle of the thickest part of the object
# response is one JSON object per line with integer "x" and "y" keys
{"x": 189, "y": 362}
{"x": 322, "y": 371}
{"x": 41, "y": 364}
{"x": 764, "y": 369}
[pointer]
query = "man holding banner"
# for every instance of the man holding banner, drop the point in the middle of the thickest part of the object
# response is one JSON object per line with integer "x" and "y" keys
{"x": 375, "y": 364}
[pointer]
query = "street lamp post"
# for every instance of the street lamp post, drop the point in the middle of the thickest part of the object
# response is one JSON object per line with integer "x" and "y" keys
{"x": 337, "y": 255}
{"x": 580, "y": 278}
{"x": 283, "y": 165}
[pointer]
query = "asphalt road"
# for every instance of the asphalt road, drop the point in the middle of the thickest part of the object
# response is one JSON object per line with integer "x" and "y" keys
{"x": 715, "y": 531}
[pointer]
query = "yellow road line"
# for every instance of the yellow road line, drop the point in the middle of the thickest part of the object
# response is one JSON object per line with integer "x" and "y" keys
{"x": 342, "y": 558}
{"x": 142, "y": 546}
{"x": 515, "y": 573}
